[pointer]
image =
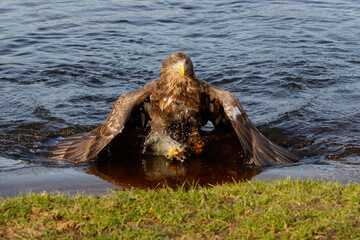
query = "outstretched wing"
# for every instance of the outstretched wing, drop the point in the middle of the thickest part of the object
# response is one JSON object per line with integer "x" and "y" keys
{"x": 84, "y": 146}
{"x": 261, "y": 150}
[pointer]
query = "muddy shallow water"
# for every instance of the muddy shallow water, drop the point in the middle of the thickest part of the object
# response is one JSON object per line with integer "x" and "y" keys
{"x": 294, "y": 65}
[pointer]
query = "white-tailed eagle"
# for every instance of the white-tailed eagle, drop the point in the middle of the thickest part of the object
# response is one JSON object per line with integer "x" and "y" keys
{"x": 175, "y": 106}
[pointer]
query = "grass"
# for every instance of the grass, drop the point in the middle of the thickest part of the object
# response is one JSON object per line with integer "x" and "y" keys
{"x": 287, "y": 209}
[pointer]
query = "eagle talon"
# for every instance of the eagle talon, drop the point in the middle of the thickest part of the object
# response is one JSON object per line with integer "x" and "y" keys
{"x": 196, "y": 145}
{"x": 175, "y": 153}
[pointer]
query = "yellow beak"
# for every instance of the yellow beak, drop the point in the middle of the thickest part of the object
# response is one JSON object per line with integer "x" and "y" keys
{"x": 181, "y": 69}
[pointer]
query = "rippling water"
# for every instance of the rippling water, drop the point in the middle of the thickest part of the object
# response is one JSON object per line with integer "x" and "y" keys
{"x": 295, "y": 66}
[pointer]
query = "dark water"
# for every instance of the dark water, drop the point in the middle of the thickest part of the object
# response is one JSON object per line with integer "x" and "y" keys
{"x": 295, "y": 66}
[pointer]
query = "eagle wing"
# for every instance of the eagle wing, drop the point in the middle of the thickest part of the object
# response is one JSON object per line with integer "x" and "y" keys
{"x": 261, "y": 150}
{"x": 84, "y": 146}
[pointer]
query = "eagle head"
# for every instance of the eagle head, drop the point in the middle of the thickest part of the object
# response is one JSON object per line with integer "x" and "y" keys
{"x": 177, "y": 65}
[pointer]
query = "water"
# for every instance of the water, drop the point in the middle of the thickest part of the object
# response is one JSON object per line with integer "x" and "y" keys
{"x": 294, "y": 65}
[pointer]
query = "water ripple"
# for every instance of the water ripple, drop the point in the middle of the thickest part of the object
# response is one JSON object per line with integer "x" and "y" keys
{"x": 293, "y": 64}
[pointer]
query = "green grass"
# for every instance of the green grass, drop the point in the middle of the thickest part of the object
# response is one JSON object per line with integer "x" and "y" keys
{"x": 287, "y": 209}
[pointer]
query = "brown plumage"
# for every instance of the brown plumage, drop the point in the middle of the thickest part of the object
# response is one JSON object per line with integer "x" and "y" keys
{"x": 176, "y": 105}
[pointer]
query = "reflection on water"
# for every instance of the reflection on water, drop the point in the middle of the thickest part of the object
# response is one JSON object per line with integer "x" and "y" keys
{"x": 221, "y": 161}
{"x": 158, "y": 171}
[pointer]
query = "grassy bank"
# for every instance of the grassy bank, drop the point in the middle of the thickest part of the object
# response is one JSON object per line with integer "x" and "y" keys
{"x": 278, "y": 209}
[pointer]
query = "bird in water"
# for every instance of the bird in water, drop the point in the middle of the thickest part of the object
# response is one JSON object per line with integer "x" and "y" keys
{"x": 175, "y": 106}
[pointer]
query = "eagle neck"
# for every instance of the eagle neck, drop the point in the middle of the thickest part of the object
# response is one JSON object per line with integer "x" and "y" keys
{"x": 173, "y": 81}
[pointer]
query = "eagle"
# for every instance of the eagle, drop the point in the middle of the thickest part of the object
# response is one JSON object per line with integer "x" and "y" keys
{"x": 174, "y": 107}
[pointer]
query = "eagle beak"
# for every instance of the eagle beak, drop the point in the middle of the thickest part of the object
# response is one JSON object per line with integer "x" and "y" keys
{"x": 181, "y": 69}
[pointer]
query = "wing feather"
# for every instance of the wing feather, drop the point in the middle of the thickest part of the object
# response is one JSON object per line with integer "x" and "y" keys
{"x": 261, "y": 150}
{"x": 84, "y": 146}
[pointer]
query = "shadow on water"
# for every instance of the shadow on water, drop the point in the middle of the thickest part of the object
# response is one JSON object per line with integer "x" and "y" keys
{"x": 123, "y": 164}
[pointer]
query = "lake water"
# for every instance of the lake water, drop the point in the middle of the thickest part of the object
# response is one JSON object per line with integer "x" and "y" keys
{"x": 294, "y": 65}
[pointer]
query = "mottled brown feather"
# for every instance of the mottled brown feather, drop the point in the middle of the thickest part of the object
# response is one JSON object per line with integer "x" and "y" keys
{"x": 261, "y": 150}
